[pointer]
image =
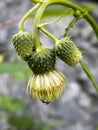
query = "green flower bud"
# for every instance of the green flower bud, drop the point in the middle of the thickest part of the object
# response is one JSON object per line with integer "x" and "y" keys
{"x": 23, "y": 43}
{"x": 67, "y": 51}
{"x": 48, "y": 86}
{"x": 42, "y": 61}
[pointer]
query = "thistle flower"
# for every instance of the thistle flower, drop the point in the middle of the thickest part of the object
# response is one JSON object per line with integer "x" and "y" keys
{"x": 42, "y": 61}
{"x": 67, "y": 51}
{"x": 47, "y": 86}
{"x": 23, "y": 43}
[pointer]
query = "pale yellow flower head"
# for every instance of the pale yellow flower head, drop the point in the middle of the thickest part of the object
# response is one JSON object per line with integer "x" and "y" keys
{"x": 48, "y": 86}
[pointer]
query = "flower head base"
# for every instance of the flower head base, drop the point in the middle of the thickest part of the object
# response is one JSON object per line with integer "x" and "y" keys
{"x": 48, "y": 86}
{"x": 68, "y": 52}
{"x": 42, "y": 61}
{"x": 23, "y": 43}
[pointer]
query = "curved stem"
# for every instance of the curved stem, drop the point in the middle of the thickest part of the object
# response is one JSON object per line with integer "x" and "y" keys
{"x": 57, "y": 20}
{"x": 49, "y": 34}
{"x": 74, "y": 20}
{"x": 76, "y": 7}
{"x": 89, "y": 74}
{"x": 77, "y": 15}
{"x": 20, "y": 28}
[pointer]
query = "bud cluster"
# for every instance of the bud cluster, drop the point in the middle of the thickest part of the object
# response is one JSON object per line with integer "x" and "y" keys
{"x": 46, "y": 83}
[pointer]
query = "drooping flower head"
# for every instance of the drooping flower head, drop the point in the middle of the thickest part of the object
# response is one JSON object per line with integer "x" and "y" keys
{"x": 46, "y": 83}
{"x": 48, "y": 86}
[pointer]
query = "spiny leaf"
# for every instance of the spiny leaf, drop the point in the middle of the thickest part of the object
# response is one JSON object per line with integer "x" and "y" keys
{"x": 89, "y": 74}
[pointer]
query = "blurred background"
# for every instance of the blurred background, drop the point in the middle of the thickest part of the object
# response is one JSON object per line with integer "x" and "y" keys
{"x": 77, "y": 107}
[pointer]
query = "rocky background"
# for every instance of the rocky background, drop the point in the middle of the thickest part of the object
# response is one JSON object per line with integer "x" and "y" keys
{"x": 77, "y": 108}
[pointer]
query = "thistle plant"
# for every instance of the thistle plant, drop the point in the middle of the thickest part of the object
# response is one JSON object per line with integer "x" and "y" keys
{"x": 47, "y": 83}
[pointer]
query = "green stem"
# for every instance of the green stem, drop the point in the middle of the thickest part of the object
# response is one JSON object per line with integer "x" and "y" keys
{"x": 76, "y": 7}
{"x": 42, "y": 8}
{"x": 49, "y": 34}
{"x": 89, "y": 74}
{"x": 41, "y": 26}
{"x": 20, "y": 28}
{"x": 74, "y": 20}
{"x": 77, "y": 15}
{"x": 57, "y": 20}
{"x": 37, "y": 20}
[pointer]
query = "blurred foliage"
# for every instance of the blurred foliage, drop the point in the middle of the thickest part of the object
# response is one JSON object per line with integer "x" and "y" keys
{"x": 22, "y": 123}
{"x": 57, "y": 11}
{"x": 11, "y": 104}
{"x": 1, "y": 58}
{"x": 97, "y": 128}
{"x": 89, "y": 6}
{"x": 17, "y": 69}
{"x": 89, "y": 74}
{"x": 27, "y": 123}
{"x": 13, "y": 111}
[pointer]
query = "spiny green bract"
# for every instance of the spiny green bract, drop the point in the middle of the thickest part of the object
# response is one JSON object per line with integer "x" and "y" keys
{"x": 24, "y": 44}
{"x": 42, "y": 61}
{"x": 67, "y": 51}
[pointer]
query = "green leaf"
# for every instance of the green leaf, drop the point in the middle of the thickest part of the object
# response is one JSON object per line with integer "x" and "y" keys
{"x": 51, "y": 12}
{"x": 57, "y": 12}
{"x": 17, "y": 69}
{"x": 89, "y": 74}
{"x": 11, "y": 104}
